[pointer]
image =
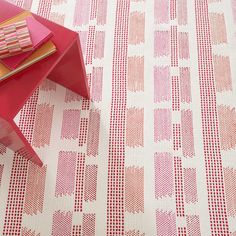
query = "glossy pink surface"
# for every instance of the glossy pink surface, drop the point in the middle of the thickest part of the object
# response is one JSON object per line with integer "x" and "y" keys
{"x": 65, "y": 67}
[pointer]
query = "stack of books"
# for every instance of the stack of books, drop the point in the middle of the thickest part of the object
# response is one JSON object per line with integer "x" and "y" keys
{"x": 23, "y": 42}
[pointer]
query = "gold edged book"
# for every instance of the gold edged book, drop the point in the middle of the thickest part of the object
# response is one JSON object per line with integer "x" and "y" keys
{"x": 42, "y": 52}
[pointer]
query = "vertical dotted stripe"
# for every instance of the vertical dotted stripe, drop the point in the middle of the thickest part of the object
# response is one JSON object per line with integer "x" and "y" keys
{"x": 213, "y": 161}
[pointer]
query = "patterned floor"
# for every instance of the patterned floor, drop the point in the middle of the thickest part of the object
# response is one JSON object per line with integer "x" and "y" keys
{"x": 154, "y": 153}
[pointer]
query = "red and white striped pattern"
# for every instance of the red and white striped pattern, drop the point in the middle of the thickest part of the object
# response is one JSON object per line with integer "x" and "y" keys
{"x": 154, "y": 152}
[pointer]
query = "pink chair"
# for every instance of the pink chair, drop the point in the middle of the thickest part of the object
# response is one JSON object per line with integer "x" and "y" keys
{"x": 65, "y": 67}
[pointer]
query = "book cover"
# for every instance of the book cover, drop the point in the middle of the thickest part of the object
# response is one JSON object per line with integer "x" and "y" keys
{"x": 44, "y": 51}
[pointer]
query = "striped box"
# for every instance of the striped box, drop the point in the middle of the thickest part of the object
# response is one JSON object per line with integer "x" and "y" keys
{"x": 14, "y": 39}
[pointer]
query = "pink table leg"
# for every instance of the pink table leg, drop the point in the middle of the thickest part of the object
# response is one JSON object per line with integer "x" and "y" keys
{"x": 70, "y": 71}
{"x": 12, "y": 137}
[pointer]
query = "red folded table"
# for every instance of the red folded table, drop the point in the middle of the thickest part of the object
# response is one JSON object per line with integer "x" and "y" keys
{"x": 65, "y": 67}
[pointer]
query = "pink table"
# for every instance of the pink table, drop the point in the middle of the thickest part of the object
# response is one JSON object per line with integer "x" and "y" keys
{"x": 65, "y": 67}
